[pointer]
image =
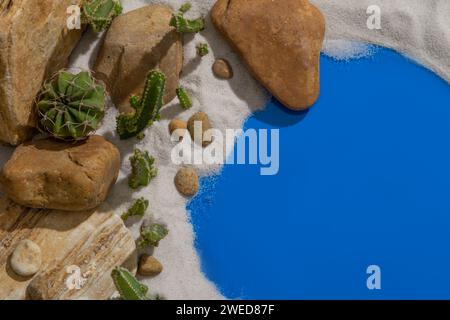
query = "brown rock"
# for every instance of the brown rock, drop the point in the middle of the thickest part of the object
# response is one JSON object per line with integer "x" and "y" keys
{"x": 186, "y": 182}
{"x": 26, "y": 258}
{"x": 79, "y": 250}
{"x": 222, "y": 69}
{"x": 199, "y": 121}
{"x": 280, "y": 41}
{"x": 52, "y": 174}
{"x": 180, "y": 125}
{"x": 137, "y": 42}
{"x": 34, "y": 43}
{"x": 149, "y": 266}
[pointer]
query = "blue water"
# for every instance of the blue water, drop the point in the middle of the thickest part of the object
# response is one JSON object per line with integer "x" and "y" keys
{"x": 364, "y": 179}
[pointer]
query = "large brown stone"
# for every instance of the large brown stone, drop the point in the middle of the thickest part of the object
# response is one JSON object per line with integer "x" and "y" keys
{"x": 52, "y": 174}
{"x": 34, "y": 43}
{"x": 280, "y": 41}
{"x": 78, "y": 252}
{"x": 137, "y": 42}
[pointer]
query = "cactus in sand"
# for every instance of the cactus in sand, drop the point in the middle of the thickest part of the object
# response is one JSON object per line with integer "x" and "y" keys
{"x": 146, "y": 108}
{"x": 202, "y": 49}
{"x": 128, "y": 286}
{"x": 137, "y": 209}
{"x": 183, "y": 97}
{"x": 100, "y": 13}
{"x": 152, "y": 234}
{"x": 70, "y": 106}
{"x": 184, "y": 25}
{"x": 142, "y": 169}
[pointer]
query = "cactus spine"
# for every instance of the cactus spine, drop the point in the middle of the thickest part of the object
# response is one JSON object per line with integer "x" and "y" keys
{"x": 71, "y": 106}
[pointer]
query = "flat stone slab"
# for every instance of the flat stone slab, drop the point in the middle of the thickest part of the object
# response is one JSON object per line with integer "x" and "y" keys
{"x": 79, "y": 250}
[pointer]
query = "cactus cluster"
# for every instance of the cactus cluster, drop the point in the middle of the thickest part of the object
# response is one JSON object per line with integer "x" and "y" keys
{"x": 146, "y": 109}
{"x": 202, "y": 49}
{"x": 142, "y": 169}
{"x": 137, "y": 209}
{"x": 100, "y": 13}
{"x": 151, "y": 235}
{"x": 71, "y": 106}
{"x": 184, "y": 25}
{"x": 183, "y": 97}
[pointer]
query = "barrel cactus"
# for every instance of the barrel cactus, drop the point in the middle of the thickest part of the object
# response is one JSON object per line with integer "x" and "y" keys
{"x": 100, "y": 13}
{"x": 71, "y": 106}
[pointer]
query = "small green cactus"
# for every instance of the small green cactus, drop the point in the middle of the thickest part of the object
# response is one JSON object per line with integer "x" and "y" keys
{"x": 100, "y": 13}
{"x": 184, "y": 25}
{"x": 183, "y": 97}
{"x": 137, "y": 209}
{"x": 202, "y": 49}
{"x": 71, "y": 106}
{"x": 146, "y": 109}
{"x": 142, "y": 169}
{"x": 128, "y": 286}
{"x": 151, "y": 235}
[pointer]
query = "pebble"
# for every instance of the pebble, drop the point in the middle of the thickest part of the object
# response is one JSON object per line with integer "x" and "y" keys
{"x": 222, "y": 69}
{"x": 186, "y": 182}
{"x": 177, "y": 124}
{"x": 206, "y": 125}
{"x": 26, "y": 258}
{"x": 149, "y": 266}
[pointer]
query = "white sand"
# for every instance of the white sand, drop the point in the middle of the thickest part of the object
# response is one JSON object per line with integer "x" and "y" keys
{"x": 418, "y": 28}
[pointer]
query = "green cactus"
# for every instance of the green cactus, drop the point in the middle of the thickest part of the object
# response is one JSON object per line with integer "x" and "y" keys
{"x": 183, "y": 97}
{"x": 151, "y": 235}
{"x": 184, "y": 25}
{"x": 137, "y": 209}
{"x": 142, "y": 169}
{"x": 146, "y": 109}
{"x": 71, "y": 106}
{"x": 100, "y": 13}
{"x": 128, "y": 286}
{"x": 202, "y": 49}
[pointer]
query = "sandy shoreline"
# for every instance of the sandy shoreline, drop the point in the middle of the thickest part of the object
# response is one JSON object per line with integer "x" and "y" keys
{"x": 418, "y": 29}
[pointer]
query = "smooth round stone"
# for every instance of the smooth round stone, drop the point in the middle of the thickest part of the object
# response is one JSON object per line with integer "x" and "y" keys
{"x": 26, "y": 259}
{"x": 187, "y": 182}
{"x": 222, "y": 69}
{"x": 149, "y": 266}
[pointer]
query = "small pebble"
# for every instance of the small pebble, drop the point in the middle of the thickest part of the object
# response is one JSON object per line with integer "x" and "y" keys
{"x": 205, "y": 124}
{"x": 222, "y": 69}
{"x": 186, "y": 182}
{"x": 180, "y": 125}
{"x": 149, "y": 266}
{"x": 26, "y": 258}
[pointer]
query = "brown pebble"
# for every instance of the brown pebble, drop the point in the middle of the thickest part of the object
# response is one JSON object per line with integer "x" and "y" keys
{"x": 186, "y": 182}
{"x": 149, "y": 266}
{"x": 222, "y": 69}
{"x": 205, "y": 124}
{"x": 180, "y": 125}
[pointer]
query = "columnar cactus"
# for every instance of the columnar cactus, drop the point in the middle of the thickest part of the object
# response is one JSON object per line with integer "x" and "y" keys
{"x": 183, "y": 97}
{"x": 71, "y": 106}
{"x": 128, "y": 286}
{"x": 146, "y": 109}
{"x": 100, "y": 13}
{"x": 184, "y": 25}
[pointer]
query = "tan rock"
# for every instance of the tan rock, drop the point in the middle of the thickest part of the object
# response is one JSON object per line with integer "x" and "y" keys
{"x": 34, "y": 43}
{"x": 186, "y": 182}
{"x": 79, "y": 250}
{"x": 52, "y": 174}
{"x": 137, "y": 42}
{"x": 198, "y": 126}
{"x": 222, "y": 69}
{"x": 180, "y": 125}
{"x": 149, "y": 266}
{"x": 280, "y": 41}
{"x": 26, "y": 258}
